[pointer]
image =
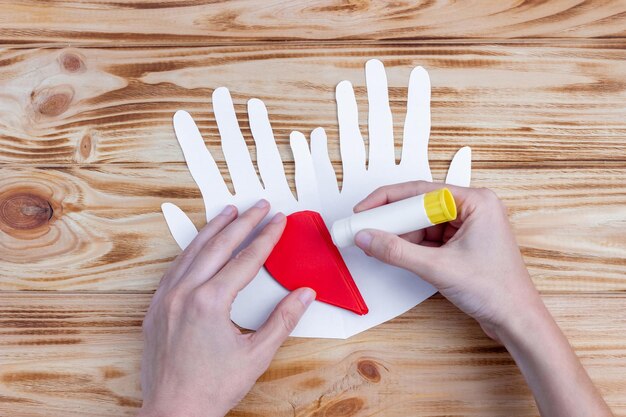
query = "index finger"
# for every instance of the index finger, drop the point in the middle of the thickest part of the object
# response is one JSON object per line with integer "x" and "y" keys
{"x": 390, "y": 193}
{"x": 216, "y": 252}
{"x": 242, "y": 269}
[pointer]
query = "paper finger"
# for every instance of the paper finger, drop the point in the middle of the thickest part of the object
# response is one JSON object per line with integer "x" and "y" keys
{"x": 267, "y": 156}
{"x": 326, "y": 178}
{"x": 200, "y": 162}
{"x": 181, "y": 227}
{"x": 417, "y": 122}
{"x": 242, "y": 173}
{"x": 306, "y": 186}
{"x": 351, "y": 144}
{"x": 460, "y": 170}
{"x": 380, "y": 120}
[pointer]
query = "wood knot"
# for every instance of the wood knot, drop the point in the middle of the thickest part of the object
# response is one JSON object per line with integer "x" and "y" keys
{"x": 52, "y": 101}
{"x": 71, "y": 62}
{"x": 85, "y": 147}
{"x": 344, "y": 408}
{"x": 25, "y": 211}
{"x": 368, "y": 370}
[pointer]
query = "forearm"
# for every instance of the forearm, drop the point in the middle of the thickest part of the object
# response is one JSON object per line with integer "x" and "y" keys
{"x": 556, "y": 377}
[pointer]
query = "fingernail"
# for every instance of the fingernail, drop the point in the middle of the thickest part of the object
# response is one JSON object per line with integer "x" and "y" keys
{"x": 363, "y": 239}
{"x": 278, "y": 217}
{"x": 262, "y": 203}
{"x": 306, "y": 296}
{"x": 228, "y": 210}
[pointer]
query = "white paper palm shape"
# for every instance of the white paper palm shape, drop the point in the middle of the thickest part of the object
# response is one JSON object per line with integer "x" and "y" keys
{"x": 388, "y": 291}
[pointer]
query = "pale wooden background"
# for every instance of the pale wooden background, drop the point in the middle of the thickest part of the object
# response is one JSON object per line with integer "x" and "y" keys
{"x": 87, "y": 154}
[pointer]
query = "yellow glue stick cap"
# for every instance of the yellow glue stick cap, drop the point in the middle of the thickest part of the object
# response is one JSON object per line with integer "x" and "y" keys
{"x": 440, "y": 206}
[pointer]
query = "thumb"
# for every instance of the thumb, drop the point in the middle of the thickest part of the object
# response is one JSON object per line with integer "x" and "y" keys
{"x": 394, "y": 250}
{"x": 284, "y": 318}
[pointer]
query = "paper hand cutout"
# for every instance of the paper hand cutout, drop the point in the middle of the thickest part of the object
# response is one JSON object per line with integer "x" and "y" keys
{"x": 388, "y": 291}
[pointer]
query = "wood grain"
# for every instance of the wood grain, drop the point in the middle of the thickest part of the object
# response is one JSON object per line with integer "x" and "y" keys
{"x": 100, "y": 228}
{"x": 510, "y": 102}
{"x": 63, "y": 356}
{"x": 206, "y": 21}
{"x": 87, "y": 155}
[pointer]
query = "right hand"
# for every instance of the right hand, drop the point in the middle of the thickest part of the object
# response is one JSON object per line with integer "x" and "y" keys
{"x": 474, "y": 261}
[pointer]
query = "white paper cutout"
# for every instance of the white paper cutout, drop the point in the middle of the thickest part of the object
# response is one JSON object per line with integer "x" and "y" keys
{"x": 387, "y": 290}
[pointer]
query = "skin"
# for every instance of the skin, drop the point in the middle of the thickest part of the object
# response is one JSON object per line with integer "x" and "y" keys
{"x": 194, "y": 366}
{"x": 476, "y": 263}
{"x": 196, "y": 363}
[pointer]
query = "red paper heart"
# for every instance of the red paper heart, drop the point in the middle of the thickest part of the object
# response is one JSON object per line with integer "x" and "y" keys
{"x": 305, "y": 256}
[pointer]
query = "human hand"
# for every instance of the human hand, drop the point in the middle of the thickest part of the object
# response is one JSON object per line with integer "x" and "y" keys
{"x": 195, "y": 361}
{"x": 474, "y": 261}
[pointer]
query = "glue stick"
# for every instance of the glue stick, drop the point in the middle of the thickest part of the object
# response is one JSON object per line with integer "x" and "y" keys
{"x": 399, "y": 217}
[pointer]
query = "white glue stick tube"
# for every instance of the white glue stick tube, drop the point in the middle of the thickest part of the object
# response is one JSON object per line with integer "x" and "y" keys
{"x": 399, "y": 217}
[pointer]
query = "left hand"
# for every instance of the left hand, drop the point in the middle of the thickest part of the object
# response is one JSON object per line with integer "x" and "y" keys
{"x": 195, "y": 361}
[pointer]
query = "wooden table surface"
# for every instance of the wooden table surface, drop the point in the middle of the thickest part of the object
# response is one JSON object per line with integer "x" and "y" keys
{"x": 88, "y": 153}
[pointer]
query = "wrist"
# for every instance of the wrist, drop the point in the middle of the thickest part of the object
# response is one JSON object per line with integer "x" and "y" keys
{"x": 151, "y": 412}
{"x": 524, "y": 326}
{"x": 147, "y": 411}
{"x": 519, "y": 309}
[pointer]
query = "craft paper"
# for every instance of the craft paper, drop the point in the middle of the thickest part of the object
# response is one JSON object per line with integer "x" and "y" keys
{"x": 388, "y": 291}
{"x": 305, "y": 256}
